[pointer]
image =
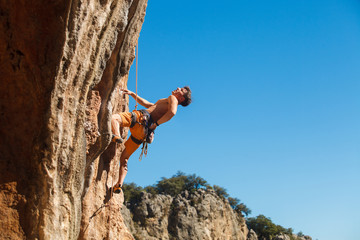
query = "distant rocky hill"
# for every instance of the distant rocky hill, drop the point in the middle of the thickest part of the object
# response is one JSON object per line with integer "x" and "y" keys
{"x": 202, "y": 214}
{"x": 199, "y": 215}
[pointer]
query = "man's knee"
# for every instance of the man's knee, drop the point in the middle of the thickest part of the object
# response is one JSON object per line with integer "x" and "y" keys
{"x": 117, "y": 118}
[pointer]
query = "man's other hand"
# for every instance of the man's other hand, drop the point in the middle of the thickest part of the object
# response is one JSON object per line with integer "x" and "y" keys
{"x": 126, "y": 91}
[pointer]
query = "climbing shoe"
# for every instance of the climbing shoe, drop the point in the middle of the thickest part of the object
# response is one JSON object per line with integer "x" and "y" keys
{"x": 116, "y": 138}
{"x": 116, "y": 188}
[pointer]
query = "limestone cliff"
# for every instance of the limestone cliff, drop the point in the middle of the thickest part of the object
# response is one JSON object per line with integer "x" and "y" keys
{"x": 199, "y": 215}
{"x": 60, "y": 64}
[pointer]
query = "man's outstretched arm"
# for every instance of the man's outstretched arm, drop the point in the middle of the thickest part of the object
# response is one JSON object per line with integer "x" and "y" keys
{"x": 139, "y": 99}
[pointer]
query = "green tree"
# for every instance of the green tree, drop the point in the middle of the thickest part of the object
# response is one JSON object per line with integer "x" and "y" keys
{"x": 233, "y": 202}
{"x": 193, "y": 183}
{"x": 220, "y": 191}
{"x": 151, "y": 189}
{"x": 242, "y": 208}
{"x": 132, "y": 192}
{"x": 171, "y": 186}
{"x": 180, "y": 182}
{"x": 263, "y": 227}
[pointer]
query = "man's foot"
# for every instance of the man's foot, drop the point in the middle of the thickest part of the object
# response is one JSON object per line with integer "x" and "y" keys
{"x": 117, "y": 139}
{"x": 116, "y": 188}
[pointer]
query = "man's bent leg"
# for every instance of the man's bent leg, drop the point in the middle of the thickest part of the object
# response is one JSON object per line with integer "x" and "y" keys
{"x": 116, "y": 122}
{"x": 123, "y": 167}
{"x": 130, "y": 148}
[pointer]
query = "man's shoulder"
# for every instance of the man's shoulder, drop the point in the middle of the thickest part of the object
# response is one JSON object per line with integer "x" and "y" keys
{"x": 162, "y": 100}
{"x": 171, "y": 97}
{"x": 169, "y": 100}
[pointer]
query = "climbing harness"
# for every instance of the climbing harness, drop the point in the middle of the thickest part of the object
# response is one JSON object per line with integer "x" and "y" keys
{"x": 146, "y": 121}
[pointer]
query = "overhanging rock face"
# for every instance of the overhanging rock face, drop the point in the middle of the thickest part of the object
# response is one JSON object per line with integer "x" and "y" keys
{"x": 61, "y": 63}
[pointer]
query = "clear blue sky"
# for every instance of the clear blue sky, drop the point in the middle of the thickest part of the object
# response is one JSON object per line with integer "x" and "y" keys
{"x": 276, "y": 113}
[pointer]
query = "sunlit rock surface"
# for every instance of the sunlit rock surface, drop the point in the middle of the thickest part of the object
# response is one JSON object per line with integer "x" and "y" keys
{"x": 61, "y": 64}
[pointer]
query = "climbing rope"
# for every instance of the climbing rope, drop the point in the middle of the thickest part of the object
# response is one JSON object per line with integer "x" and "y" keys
{"x": 136, "y": 56}
{"x": 95, "y": 214}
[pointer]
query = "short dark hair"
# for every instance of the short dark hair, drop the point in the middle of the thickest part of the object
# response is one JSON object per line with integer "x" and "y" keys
{"x": 187, "y": 97}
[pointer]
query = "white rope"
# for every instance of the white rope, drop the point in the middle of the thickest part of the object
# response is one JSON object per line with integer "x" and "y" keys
{"x": 137, "y": 56}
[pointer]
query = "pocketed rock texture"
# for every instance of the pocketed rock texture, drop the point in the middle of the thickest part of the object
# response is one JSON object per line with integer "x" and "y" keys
{"x": 61, "y": 65}
{"x": 200, "y": 215}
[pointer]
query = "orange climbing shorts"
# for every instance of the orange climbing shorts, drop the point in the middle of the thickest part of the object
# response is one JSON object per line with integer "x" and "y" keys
{"x": 137, "y": 131}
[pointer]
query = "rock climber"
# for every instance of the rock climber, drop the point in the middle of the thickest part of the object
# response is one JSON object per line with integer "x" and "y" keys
{"x": 142, "y": 124}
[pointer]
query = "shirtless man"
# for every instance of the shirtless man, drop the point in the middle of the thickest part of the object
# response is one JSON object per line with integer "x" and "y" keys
{"x": 154, "y": 115}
